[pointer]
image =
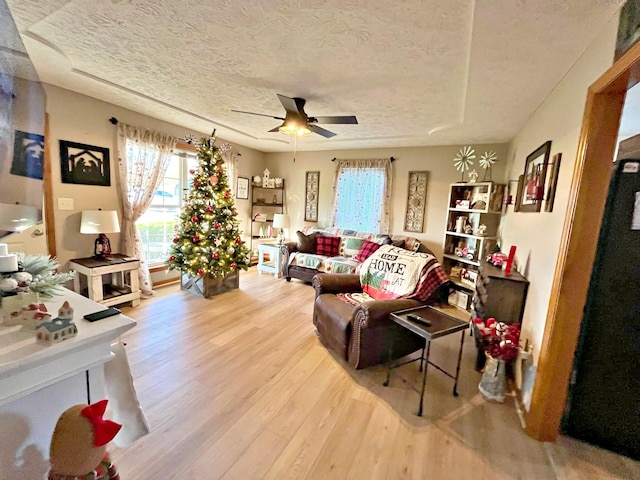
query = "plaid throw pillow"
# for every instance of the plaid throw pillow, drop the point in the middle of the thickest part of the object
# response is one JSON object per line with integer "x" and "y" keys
{"x": 368, "y": 248}
{"x": 328, "y": 246}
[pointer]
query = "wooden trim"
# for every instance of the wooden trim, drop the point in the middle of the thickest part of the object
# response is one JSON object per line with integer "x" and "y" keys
{"x": 157, "y": 268}
{"x": 49, "y": 216}
{"x": 185, "y": 146}
{"x": 589, "y": 189}
{"x": 166, "y": 281}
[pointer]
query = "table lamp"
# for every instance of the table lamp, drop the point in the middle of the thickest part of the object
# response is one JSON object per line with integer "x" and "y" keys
{"x": 281, "y": 221}
{"x": 100, "y": 222}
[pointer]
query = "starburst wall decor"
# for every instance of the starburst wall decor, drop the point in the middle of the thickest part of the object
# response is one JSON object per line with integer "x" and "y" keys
{"x": 464, "y": 159}
{"x": 486, "y": 161}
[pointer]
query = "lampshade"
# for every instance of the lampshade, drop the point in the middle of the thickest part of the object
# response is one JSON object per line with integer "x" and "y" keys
{"x": 280, "y": 220}
{"x": 16, "y": 218}
{"x": 99, "y": 221}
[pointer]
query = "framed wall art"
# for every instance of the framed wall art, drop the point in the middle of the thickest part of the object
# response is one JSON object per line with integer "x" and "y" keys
{"x": 532, "y": 192}
{"x": 84, "y": 164}
{"x": 28, "y": 155}
{"x": 312, "y": 189}
{"x": 553, "y": 182}
{"x": 242, "y": 191}
{"x": 416, "y": 199}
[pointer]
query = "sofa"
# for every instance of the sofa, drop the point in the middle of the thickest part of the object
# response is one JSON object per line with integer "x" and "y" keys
{"x": 362, "y": 334}
{"x": 302, "y": 260}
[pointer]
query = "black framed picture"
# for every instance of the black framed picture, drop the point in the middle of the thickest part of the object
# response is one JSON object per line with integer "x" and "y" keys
{"x": 535, "y": 174}
{"x": 28, "y": 155}
{"x": 84, "y": 164}
{"x": 242, "y": 189}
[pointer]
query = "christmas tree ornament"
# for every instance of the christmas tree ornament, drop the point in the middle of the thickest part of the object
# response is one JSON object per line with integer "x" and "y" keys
{"x": 213, "y": 179}
{"x": 215, "y": 255}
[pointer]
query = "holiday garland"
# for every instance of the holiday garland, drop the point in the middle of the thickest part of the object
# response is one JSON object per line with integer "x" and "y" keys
{"x": 207, "y": 240}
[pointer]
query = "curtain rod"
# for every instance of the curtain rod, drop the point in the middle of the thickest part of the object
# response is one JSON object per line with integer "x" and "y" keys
{"x": 392, "y": 159}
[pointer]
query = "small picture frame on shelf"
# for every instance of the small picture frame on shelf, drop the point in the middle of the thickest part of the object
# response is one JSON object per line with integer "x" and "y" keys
{"x": 459, "y": 299}
{"x": 469, "y": 277}
{"x": 463, "y": 204}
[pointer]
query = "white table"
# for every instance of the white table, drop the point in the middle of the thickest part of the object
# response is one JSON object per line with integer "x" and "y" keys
{"x": 273, "y": 265}
{"x": 39, "y": 382}
{"x": 120, "y": 271}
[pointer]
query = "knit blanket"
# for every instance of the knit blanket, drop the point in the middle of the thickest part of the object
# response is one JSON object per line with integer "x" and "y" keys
{"x": 393, "y": 272}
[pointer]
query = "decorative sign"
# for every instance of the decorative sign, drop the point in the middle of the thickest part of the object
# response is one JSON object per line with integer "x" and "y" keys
{"x": 416, "y": 199}
{"x": 312, "y": 188}
{"x": 84, "y": 164}
{"x": 28, "y": 155}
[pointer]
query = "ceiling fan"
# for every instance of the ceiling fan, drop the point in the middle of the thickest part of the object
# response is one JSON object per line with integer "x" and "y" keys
{"x": 297, "y": 123}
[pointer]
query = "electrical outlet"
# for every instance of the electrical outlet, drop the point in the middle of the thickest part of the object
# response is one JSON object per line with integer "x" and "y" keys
{"x": 65, "y": 203}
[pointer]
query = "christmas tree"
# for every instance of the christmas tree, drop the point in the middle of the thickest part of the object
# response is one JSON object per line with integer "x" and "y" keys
{"x": 207, "y": 240}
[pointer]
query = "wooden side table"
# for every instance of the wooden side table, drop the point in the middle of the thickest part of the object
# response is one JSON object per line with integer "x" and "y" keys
{"x": 441, "y": 324}
{"x": 273, "y": 265}
{"x": 122, "y": 275}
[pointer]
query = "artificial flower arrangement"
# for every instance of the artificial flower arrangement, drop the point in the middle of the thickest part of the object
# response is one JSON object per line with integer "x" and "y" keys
{"x": 499, "y": 339}
{"x": 38, "y": 273}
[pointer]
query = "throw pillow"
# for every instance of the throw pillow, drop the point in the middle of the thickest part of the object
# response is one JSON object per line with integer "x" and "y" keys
{"x": 307, "y": 243}
{"x": 328, "y": 246}
{"x": 350, "y": 246}
{"x": 368, "y": 248}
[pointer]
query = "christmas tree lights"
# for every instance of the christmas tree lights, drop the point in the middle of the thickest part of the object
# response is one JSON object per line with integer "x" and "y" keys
{"x": 208, "y": 240}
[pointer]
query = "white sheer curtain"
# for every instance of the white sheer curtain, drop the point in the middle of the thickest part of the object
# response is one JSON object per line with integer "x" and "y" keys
{"x": 362, "y": 195}
{"x": 143, "y": 157}
{"x": 231, "y": 165}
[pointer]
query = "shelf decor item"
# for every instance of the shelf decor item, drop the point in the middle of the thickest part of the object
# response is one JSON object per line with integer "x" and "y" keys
{"x": 486, "y": 161}
{"x": 416, "y": 200}
{"x": 463, "y": 160}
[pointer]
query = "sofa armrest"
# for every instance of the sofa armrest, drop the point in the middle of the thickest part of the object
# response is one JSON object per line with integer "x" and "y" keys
{"x": 336, "y": 283}
{"x": 376, "y": 312}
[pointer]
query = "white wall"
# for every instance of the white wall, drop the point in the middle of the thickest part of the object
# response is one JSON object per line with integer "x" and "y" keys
{"x": 83, "y": 119}
{"x": 537, "y": 235}
{"x": 438, "y": 161}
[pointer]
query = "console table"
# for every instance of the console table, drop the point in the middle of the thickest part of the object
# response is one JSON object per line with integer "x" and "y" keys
{"x": 121, "y": 273}
{"x": 39, "y": 382}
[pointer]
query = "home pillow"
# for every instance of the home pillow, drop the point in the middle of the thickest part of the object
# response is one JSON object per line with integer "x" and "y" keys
{"x": 307, "y": 243}
{"x": 350, "y": 246}
{"x": 367, "y": 250}
{"x": 328, "y": 246}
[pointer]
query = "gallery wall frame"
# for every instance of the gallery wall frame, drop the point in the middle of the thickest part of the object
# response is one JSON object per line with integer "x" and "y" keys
{"x": 416, "y": 200}
{"x": 311, "y": 193}
{"x": 28, "y": 155}
{"x": 532, "y": 192}
{"x": 242, "y": 189}
{"x": 553, "y": 182}
{"x": 84, "y": 164}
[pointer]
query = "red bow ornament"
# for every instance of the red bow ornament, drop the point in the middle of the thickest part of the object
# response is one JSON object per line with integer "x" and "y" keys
{"x": 103, "y": 430}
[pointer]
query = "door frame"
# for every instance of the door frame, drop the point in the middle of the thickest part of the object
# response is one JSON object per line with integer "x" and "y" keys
{"x": 589, "y": 189}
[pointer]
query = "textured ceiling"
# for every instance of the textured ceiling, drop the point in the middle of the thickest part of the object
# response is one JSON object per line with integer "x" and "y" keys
{"x": 414, "y": 72}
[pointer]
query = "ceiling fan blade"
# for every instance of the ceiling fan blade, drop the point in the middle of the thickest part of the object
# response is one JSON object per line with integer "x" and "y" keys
{"x": 292, "y": 105}
{"x": 321, "y": 131}
{"x": 259, "y": 114}
{"x": 277, "y": 129}
{"x": 344, "y": 120}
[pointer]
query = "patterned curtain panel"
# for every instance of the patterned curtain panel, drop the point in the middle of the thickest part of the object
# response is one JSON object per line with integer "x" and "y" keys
{"x": 230, "y": 164}
{"x": 362, "y": 195}
{"x": 143, "y": 157}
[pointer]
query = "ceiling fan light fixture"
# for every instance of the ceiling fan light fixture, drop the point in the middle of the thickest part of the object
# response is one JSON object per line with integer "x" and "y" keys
{"x": 294, "y": 130}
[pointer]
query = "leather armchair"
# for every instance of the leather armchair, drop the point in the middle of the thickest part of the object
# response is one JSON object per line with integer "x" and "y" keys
{"x": 362, "y": 335}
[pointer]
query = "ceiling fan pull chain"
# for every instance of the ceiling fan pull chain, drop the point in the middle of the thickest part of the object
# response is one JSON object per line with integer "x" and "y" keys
{"x": 295, "y": 148}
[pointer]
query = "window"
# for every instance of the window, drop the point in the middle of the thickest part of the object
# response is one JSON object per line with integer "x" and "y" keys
{"x": 157, "y": 224}
{"x": 361, "y": 198}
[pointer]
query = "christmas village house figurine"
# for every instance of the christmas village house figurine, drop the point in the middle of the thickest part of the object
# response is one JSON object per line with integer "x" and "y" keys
{"x": 12, "y": 306}
{"x": 58, "y": 329}
{"x": 30, "y": 316}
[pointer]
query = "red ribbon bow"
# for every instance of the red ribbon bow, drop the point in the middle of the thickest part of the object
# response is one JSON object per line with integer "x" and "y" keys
{"x": 103, "y": 430}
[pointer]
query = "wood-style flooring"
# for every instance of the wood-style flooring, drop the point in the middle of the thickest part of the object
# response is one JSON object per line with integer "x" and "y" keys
{"x": 238, "y": 386}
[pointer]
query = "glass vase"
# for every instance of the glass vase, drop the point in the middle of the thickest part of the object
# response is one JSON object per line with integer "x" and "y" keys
{"x": 494, "y": 380}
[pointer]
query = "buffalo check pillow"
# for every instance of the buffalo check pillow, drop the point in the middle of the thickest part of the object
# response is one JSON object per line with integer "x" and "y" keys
{"x": 368, "y": 248}
{"x": 328, "y": 246}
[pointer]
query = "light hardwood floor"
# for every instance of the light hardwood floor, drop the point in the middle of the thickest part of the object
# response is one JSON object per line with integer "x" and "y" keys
{"x": 238, "y": 386}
